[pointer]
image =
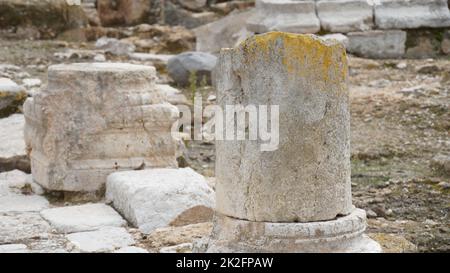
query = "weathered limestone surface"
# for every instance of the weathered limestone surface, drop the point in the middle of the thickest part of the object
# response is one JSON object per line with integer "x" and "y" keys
{"x": 296, "y": 198}
{"x": 401, "y": 14}
{"x": 377, "y": 44}
{"x": 19, "y": 248}
{"x": 345, "y": 15}
{"x": 103, "y": 240}
{"x": 22, "y": 203}
{"x": 152, "y": 199}
{"x": 12, "y": 97}
{"x": 284, "y": 15}
{"x": 344, "y": 235}
{"x": 308, "y": 177}
{"x": 82, "y": 218}
{"x": 13, "y": 154}
{"x": 95, "y": 119}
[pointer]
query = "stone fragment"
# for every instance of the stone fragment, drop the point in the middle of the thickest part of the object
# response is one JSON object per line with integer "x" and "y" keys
{"x": 407, "y": 14}
{"x": 114, "y": 46}
{"x": 377, "y": 44}
{"x": 12, "y": 97}
{"x": 15, "y": 182}
{"x": 338, "y": 37}
{"x": 155, "y": 58}
{"x": 163, "y": 237}
{"x": 224, "y": 33}
{"x": 22, "y": 203}
{"x": 22, "y": 226}
{"x": 106, "y": 239}
{"x": 284, "y": 15}
{"x": 345, "y": 15}
{"x": 20, "y": 248}
{"x": 131, "y": 249}
{"x": 156, "y": 198}
{"x": 182, "y": 67}
{"x": 82, "y": 218}
{"x": 13, "y": 154}
{"x": 95, "y": 119}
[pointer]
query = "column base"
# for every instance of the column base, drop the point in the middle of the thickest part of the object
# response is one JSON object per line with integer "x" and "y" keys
{"x": 342, "y": 235}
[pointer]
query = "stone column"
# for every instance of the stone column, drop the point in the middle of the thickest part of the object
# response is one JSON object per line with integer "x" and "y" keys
{"x": 298, "y": 197}
{"x": 95, "y": 119}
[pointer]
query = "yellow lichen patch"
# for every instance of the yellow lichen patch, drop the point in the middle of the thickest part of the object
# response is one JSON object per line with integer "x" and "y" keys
{"x": 301, "y": 55}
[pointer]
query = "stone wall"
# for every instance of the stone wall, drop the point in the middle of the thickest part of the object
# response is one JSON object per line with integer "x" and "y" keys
{"x": 375, "y": 28}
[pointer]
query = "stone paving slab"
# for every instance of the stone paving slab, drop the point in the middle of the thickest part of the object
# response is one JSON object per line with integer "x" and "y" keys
{"x": 103, "y": 240}
{"x": 22, "y": 226}
{"x": 22, "y": 203}
{"x": 82, "y": 218}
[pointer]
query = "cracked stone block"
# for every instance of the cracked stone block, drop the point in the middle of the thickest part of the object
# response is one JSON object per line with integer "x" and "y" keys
{"x": 377, "y": 44}
{"x": 13, "y": 154}
{"x": 345, "y": 15}
{"x": 284, "y": 15}
{"x": 82, "y": 218}
{"x": 408, "y": 14}
{"x": 105, "y": 239}
{"x": 152, "y": 199}
{"x": 94, "y": 119}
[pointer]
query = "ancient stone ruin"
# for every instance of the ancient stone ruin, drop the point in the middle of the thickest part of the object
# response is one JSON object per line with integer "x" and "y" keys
{"x": 95, "y": 119}
{"x": 211, "y": 126}
{"x": 386, "y": 28}
{"x": 288, "y": 200}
